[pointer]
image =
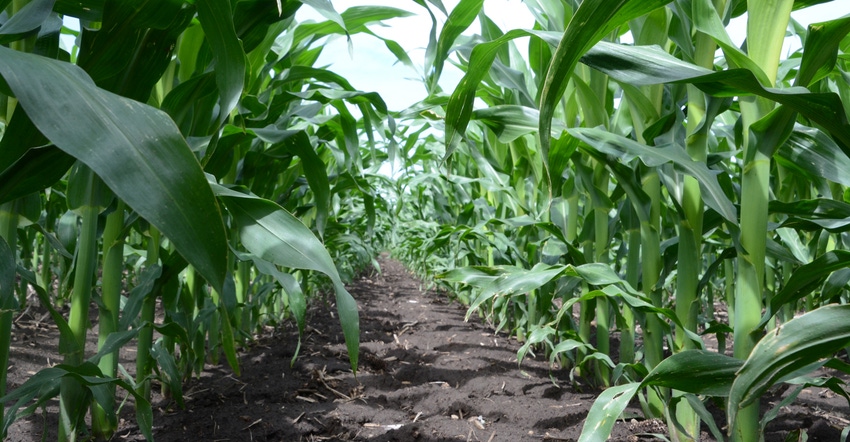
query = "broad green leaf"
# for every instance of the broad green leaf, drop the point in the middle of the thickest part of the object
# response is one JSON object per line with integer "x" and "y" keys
{"x": 459, "y": 19}
{"x": 696, "y": 371}
{"x": 217, "y": 21}
{"x": 515, "y": 283}
{"x": 605, "y": 411}
{"x": 811, "y": 153}
{"x": 273, "y": 234}
{"x": 26, "y": 21}
{"x": 806, "y": 279}
{"x": 814, "y": 215}
{"x": 650, "y": 65}
{"x": 44, "y": 386}
{"x": 510, "y": 122}
{"x": 228, "y": 343}
{"x": 655, "y": 156}
{"x": 797, "y": 344}
{"x": 298, "y": 143}
{"x": 459, "y": 108}
{"x": 591, "y": 22}
{"x": 38, "y": 169}
{"x": 147, "y": 164}
{"x": 326, "y": 8}
{"x": 821, "y": 50}
{"x": 169, "y": 374}
{"x": 706, "y": 20}
{"x": 356, "y": 18}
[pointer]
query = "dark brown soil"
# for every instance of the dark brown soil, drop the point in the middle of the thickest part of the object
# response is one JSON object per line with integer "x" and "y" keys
{"x": 425, "y": 375}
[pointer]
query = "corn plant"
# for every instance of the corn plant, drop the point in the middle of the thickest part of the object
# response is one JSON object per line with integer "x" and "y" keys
{"x": 707, "y": 179}
{"x": 216, "y": 155}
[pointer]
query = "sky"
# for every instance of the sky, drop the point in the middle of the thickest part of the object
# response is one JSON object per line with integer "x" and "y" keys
{"x": 369, "y": 66}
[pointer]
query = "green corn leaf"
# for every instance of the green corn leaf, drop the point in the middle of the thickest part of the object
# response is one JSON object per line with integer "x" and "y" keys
{"x": 459, "y": 108}
{"x": 812, "y": 153}
{"x": 797, "y": 344}
{"x": 814, "y": 215}
{"x": 806, "y": 279}
{"x": 696, "y": 371}
{"x": 356, "y": 18}
{"x": 476, "y": 276}
{"x": 605, "y": 411}
{"x": 169, "y": 373}
{"x": 510, "y": 122}
{"x": 607, "y": 142}
{"x": 459, "y": 19}
{"x": 299, "y": 143}
{"x": 44, "y": 385}
{"x": 650, "y": 65}
{"x": 228, "y": 343}
{"x": 515, "y": 283}
{"x": 821, "y": 50}
{"x": 147, "y": 164}
{"x": 273, "y": 234}
{"x": 217, "y": 21}
{"x": 38, "y": 169}
{"x": 326, "y": 8}
{"x": 26, "y": 21}
{"x": 591, "y": 22}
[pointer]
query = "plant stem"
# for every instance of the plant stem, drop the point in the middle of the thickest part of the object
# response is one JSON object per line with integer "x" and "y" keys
{"x": 144, "y": 361}
{"x": 9, "y": 233}
{"x": 104, "y": 421}
{"x": 71, "y": 392}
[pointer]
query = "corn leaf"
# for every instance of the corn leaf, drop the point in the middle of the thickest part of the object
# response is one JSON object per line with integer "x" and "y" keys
{"x": 217, "y": 21}
{"x": 812, "y": 153}
{"x": 821, "y": 50}
{"x": 654, "y": 156}
{"x": 591, "y": 22}
{"x": 515, "y": 283}
{"x": 273, "y": 234}
{"x": 26, "y": 21}
{"x": 650, "y": 65}
{"x": 696, "y": 371}
{"x": 298, "y": 143}
{"x": 797, "y": 344}
{"x": 830, "y": 215}
{"x": 459, "y": 19}
{"x": 605, "y": 411}
{"x": 806, "y": 279}
{"x": 147, "y": 164}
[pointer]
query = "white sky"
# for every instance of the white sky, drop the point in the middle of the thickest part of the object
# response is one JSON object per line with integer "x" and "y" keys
{"x": 370, "y": 66}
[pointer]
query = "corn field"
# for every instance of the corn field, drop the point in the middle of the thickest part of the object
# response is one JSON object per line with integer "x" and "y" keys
{"x": 622, "y": 173}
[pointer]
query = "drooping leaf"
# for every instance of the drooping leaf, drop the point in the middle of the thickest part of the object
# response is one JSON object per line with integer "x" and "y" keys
{"x": 273, "y": 234}
{"x": 298, "y": 143}
{"x": 696, "y": 371}
{"x": 510, "y": 122}
{"x": 515, "y": 283}
{"x": 799, "y": 343}
{"x": 655, "y": 156}
{"x": 650, "y": 65}
{"x": 810, "y": 152}
{"x": 147, "y": 164}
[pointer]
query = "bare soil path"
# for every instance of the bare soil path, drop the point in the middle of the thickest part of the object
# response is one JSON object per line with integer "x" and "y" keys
{"x": 425, "y": 375}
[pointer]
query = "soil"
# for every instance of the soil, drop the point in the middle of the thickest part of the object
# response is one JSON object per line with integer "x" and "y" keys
{"x": 425, "y": 375}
